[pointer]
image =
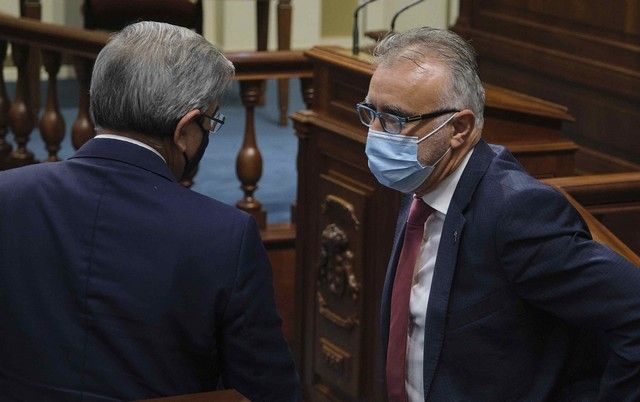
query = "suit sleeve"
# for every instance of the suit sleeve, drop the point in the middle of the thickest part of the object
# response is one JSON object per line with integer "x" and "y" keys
{"x": 548, "y": 255}
{"x": 256, "y": 359}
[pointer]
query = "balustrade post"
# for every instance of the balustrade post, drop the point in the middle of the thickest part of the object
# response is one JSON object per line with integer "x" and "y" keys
{"x": 21, "y": 117}
{"x": 5, "y": 147}
{"x": 32, "y": 9}
{"x": 306, "y": 87}
{"x": 83, "y": 129}
{"x": 52, "y": 122}
{"x": 284, "y": 43}
{"x": 249, "y": 160}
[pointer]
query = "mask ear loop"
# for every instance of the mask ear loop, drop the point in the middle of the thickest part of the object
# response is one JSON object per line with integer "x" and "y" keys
{"x": 430, "y": 134}
{"x": 435, "y": 130}
{"x": 438, "y": 161}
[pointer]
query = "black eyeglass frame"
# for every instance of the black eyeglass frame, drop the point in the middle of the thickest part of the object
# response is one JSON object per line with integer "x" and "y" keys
{"x": 401, "y": 120}
{"x": 216, "y": 121}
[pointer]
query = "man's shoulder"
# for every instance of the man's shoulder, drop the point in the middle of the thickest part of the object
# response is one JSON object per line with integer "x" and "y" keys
{"x": 506, "y": 172}
{"x": 506, "y": 183}
{"x": 208, "y": 207}
{"x": 25, "y": 174}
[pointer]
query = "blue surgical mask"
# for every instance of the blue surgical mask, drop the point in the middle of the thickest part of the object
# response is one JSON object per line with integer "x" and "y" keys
{"x": 393, "y": 159}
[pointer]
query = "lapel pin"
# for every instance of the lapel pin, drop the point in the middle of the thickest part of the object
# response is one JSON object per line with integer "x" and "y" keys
{"x": 455, "y": 236}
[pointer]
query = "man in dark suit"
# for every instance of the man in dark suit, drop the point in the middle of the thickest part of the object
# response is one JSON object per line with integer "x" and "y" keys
{"x": 493, "y": 276}
{"x": 117, "y": 283}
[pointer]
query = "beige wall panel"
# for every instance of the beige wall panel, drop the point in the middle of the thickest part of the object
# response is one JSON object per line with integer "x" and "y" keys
{"x": 336, "y": 17}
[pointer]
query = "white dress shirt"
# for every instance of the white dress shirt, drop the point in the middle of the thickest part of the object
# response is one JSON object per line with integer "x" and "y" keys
{"x": 439, "y": 199}
{"x": 130, "y": 140}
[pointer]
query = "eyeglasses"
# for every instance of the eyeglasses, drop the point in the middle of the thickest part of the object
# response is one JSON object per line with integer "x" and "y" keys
{"x": 215, "y": 122}
{"x": 391, "y": 123}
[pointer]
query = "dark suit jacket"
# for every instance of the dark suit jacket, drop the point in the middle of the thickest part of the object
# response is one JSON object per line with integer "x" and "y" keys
{"x": 118, "y": 283}
{"x": 516, "y": 279}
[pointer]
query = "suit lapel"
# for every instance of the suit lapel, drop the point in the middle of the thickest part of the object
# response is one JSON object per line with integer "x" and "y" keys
{"x": 447, "y": 258}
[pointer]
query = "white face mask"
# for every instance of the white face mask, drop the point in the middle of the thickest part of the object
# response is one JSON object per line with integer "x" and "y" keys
{"x": 393, "y": 159}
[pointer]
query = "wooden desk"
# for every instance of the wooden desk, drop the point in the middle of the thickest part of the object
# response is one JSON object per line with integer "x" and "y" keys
{"x": 214, "y": 396}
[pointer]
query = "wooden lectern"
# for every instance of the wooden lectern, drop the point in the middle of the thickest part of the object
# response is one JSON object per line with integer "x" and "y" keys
{"x": 346, "y": 220}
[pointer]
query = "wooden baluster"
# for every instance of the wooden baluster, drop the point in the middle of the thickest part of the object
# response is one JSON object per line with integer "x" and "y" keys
{"x": 21, "y": 117}
{"x": 249, "y": 160}
{"x": 52, "y": 122}
{"x": 306, "y": 87}
{"x": 83, "y": 129}
{"x": 33, "y": 9}
{"x": 5, "y": 147}
{"x": 284, "y": 43}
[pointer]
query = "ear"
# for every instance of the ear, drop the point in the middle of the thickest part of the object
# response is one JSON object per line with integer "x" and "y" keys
{"x": 180, "y": 133}
{"x": 463, "y": 125}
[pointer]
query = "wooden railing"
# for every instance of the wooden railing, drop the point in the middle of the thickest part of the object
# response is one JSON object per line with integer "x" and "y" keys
{"x": 611, "y": 199}
{"x": 601, "y": 233}
{"x": 53, "y": 41}
{"x": 82, "y": 46}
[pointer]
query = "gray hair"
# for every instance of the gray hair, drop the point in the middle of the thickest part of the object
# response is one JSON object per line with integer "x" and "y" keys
{"x": 418, "y": 44}
{"x": 151, "y": 74}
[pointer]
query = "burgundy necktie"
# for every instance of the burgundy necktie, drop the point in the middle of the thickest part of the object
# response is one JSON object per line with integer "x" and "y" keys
{"x": 397, "y": 346}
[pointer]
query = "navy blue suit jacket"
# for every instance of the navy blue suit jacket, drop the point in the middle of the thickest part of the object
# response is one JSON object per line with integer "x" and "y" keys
{"x": 118, "y": 283}
{"x": 517, "y": 279}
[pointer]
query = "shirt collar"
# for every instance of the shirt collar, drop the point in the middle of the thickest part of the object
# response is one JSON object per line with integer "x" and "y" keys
{"x": 132, "y": 141}
{"x": 440, "y": 197}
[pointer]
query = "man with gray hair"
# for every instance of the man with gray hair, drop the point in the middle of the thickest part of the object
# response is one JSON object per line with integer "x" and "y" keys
{"x": 495, "y": 289}
{"x": 118, "y": 283}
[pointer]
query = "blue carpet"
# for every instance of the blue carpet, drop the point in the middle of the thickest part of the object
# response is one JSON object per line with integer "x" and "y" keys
{"x": 217, "y": 176}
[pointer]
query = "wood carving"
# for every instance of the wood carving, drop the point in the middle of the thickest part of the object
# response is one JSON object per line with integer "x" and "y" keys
{"x": 336, "y": 263}
{"x": 332, "y": 202}
{"x": 335, "y": 357}
{"x": 343, "y": 322}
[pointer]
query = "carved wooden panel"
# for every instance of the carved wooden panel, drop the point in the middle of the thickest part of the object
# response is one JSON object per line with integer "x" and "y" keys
{"x": 338, "y": 286}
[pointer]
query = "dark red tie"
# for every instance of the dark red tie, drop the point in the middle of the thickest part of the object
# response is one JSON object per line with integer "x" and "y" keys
{"x": 397, "y": 346}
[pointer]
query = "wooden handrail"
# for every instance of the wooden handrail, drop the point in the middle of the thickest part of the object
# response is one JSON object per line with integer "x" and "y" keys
{"x": 66, "y": 40}
{"x": 214, "y": 396}
{"x": 601, "y": 188}
{"x": 267, "y": 65}
{"x": 83, "y": 46}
